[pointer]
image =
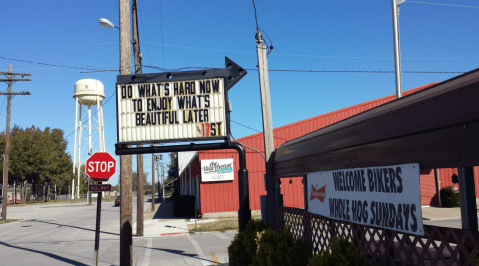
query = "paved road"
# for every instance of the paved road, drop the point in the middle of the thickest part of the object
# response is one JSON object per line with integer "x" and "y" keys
{"x": 64, "y": 234}
{"x": 452, "y": 223}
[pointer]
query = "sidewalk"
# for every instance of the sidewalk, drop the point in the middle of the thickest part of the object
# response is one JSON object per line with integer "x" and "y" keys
{"x": 161, "y": 221}
{"x": 440, "y": 213}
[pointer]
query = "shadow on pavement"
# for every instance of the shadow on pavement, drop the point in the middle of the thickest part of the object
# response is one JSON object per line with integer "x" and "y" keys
{"x": 61, "y": 225}
{"x": 165, "y": 210}
{"x": 48, "y": 254}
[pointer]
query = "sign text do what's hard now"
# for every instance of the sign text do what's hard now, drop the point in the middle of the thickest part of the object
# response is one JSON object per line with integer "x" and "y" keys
{"x": 171, "y": 110}
{"x": 386, "y": 197}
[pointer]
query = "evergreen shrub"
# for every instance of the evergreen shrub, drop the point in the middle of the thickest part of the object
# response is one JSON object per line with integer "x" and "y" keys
{"x": 260, "y": 245}
{"x": 244, "y": 246}
{"x": 340, "y": 252}
{"x": 281, "y": 249}
{"x": 449, "y": 198}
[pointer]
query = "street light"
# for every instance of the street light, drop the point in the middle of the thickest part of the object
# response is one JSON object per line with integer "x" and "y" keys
{"x": 105, "y": 23}
{"x": 397, "y": 53}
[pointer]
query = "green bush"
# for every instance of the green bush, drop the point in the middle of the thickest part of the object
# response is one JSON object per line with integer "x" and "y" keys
{"x": 475, "y": 260}
{"x": 281, "y": 249}
{"x": 449, "y": 199}
{"x": 260, "y": 245}
{"x": 184, "y": 206}
{"x": 243, "y": 249}
{"x": 340, "y": 252}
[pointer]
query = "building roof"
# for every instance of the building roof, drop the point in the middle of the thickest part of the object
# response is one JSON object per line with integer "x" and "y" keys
{"x": 435, "y": 127}
{"x": 291, "y": 131}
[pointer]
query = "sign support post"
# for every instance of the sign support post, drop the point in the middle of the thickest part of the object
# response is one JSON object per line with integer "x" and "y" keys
{"x": 468, "y": 198}
{"x": 99, "y": 167}
{"x": 244, "y": 212}
{"x": 97, "y": 230}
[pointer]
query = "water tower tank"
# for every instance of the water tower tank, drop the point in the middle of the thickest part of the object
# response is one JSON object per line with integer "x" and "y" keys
{"x": 87, "y": 90}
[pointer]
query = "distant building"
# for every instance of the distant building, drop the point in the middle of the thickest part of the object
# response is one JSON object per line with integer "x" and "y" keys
{"x": 222, "y": 196}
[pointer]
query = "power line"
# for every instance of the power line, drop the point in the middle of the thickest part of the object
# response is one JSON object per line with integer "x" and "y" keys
{"x": 246, "y": 126}
{"x": 318, "y": 71}
{"x": 161, "y": 27}
{"x": 255, "y": 16}
{"x": 360, "y": 71}
{"x": 177, "y": 69}
{"x": 316, "y": 56}
{"x": 46, "y": 64}
{"x": 438, "y": 4}
{"x": 59, "y": 45}
{"x": 255, "y": 130}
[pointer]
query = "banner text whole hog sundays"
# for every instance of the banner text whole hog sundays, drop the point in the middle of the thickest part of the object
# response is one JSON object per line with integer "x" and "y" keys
{"x": 386, "y": 197}
{"x": 171, "y": 110}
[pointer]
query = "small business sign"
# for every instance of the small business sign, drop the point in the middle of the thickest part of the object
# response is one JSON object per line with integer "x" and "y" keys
{"x": 386, "y": 197}
{"x": 217, "y": 170}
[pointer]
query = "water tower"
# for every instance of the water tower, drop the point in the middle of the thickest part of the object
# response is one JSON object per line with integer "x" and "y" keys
{"x": 88, "y": 92}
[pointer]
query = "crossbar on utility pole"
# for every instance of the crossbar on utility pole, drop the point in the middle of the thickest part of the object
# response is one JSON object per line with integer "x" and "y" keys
{"x": 10, "y": 78}
{"x": 126, "y": 216}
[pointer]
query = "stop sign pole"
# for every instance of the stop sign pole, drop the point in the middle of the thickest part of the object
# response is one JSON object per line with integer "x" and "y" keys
{"x": 100, "y": 167}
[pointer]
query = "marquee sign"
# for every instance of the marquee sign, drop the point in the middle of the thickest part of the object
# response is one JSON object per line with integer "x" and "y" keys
{"x": 175, "y": 107}
{"x": 386, "y": 197}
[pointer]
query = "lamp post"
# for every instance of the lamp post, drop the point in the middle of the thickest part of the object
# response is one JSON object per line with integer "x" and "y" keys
{"x": 397, "y": 53}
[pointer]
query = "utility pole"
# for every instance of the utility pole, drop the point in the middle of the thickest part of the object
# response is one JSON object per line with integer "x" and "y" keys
{"x": 153, "y": 156}
{"x": 126, "y": 217}
{"x": 139, "y": 157}
{"x": 272, "y": 188}
{"x": 397, "y": 53}
{"x": 10, "y": 79}
{"x": 153, "y": 184}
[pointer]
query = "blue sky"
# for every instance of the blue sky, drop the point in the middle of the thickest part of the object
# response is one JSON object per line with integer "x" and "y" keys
{"x": 306, "y": 35}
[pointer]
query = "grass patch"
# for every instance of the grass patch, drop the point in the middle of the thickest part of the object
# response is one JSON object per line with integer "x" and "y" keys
{"x": 68, "y": 201}
{"x": 219, "y": 225}
{"x": 8, "y": 221}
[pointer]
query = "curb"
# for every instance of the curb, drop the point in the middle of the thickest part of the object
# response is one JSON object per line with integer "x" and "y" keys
{"x": 442, "y": 219}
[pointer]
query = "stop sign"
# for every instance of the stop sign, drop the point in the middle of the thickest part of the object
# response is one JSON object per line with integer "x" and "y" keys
{"x": 101, "y": 166}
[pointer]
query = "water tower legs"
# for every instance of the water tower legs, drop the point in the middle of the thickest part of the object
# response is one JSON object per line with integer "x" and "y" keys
{"x": 79, "y": 154}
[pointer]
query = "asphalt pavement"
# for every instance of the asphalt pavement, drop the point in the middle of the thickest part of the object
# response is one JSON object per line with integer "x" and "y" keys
{"x": 64, "y": 234}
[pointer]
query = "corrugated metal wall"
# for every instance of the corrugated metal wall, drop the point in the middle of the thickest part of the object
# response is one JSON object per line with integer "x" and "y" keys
{"x": 446, "y": 180}
{"x": 223, "y": 196}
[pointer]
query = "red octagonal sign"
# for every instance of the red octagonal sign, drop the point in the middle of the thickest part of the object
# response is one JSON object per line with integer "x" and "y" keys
{"x": 101, "y": 166}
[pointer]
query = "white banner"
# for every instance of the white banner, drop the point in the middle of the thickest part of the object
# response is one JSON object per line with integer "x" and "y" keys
{"x": 217, "y": 170}
{"x": 386, "y": 197}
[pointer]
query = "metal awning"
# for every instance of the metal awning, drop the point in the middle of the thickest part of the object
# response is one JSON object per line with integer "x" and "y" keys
{"x": 436, "y": 127}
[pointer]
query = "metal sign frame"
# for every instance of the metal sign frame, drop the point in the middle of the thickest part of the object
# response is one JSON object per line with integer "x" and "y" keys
{"x": 231, "y": 74}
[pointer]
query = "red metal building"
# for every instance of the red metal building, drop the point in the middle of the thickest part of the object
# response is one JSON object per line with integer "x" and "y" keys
{"x": 223, "y": 196}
